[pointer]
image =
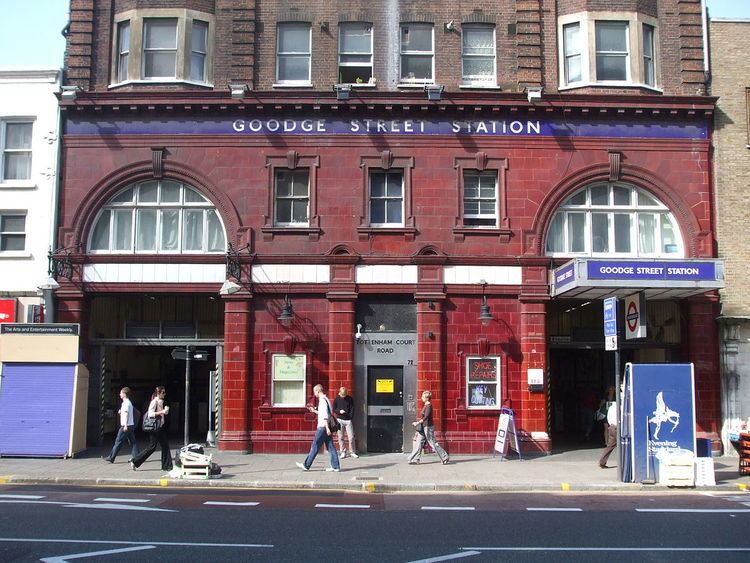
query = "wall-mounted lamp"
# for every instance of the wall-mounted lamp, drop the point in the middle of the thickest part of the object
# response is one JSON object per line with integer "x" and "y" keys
{"x": 431, "y": 305}
{"x": 343, "y": 91}
{"x": 358, "y": 334}
{"x": 229, "y": 287}
{"x": 430, "y": 335}
{"x": 450, "y": 26}
{"x": 238, "y": 90}
{"x": 434, "y": 91}
{"x": 533, "y": 93}
{"x": 287, "y": 312}
{"x": 50, "y": 284}
{"x": 324, "y": 27}
{"x": 69, "y": 93}
{"x": 485, "y": 316}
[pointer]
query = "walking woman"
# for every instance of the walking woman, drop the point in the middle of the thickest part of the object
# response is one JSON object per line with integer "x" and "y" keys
{"x": 156, "y": 409}
{"x": 428, "y": 427}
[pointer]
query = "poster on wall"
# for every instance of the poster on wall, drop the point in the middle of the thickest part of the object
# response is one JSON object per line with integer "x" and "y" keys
{"x": 483, "y": 382}
{"x": 7, "y": 310}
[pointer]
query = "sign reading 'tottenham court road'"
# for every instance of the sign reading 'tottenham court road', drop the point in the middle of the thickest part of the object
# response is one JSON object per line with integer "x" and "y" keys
{"x": 265, "y": 126}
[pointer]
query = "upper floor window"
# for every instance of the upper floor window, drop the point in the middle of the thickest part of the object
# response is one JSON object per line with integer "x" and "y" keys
{"x": 614, "y": 219}
{"x": 158, "y": 217}
{"x": 480, "y": 198}
{"x": 293, "y": 54}
{"x": 292, "y": 197}
{"x": 478, "y": 54}
{"x": 163, "y": 45}
{"x": 608, "y": 48}
{"x": 355, "y": 53}
{"x": 386, "y": 198}
{"x": 417, "y": 53}
{"x": 12, "y": 231}
{"x": 15, "y": 143}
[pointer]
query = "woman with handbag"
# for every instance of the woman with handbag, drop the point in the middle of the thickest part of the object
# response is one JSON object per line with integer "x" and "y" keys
{"x": 425, "y": 431}
{"x": 153, "y": 423}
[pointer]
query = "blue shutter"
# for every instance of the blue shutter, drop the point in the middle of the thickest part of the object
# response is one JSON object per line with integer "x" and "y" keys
{"x": 35, "y": 409}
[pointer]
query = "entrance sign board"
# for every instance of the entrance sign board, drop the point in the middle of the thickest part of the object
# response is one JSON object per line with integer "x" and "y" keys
{"x": 506, "y": 436}
{"x": 610, "y": 323}
{"x": 635, "y": 316}
{"x": 658, "y": 415}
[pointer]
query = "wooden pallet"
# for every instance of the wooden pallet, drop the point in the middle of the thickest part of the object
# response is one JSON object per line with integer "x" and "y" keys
{"x": 195, "y": 466}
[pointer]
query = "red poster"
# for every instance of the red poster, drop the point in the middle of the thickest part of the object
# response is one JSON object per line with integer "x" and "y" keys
{"x": 482, "y": 369}
{"x": 7, "y": 310}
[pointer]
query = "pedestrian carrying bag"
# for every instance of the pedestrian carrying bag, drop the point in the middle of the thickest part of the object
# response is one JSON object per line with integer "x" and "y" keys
{"x": 151, "y": 424}
{"x": 333, "y": 423}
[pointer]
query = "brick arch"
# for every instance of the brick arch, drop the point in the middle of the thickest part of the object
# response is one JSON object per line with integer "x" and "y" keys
{"x": 104, "y": 190}
{"x": 633, "y": 175}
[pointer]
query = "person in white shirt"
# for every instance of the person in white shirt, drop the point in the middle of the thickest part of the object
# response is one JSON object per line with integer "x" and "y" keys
{"x": 126, "y": 430}
{"x": 611, "y": 434}
{"x": 322, "y": 433}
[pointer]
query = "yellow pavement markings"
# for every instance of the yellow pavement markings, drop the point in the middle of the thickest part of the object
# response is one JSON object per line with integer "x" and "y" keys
{"x": 4, "y": 479}
{"x": 742, "y": 486}
{"x": 565, "y": 486}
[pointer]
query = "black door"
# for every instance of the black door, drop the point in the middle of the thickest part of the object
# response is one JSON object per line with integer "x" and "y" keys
{"x": 385, "y": 408}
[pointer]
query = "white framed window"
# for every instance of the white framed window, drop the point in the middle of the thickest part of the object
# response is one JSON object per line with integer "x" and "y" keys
{"x": 162, "y": 45}
{"x": 158, "y": 217}
{"x": 480, "y": 198}
{"x": 614, "y": 219}
{"x": 123, "y": 50}
{"x": 159, "y": 48}
{"x": 483, "y": 388}
{"x": 608, "y": 49}
{"x": 15, "y": 142}
{"x": 288, "y": 380}
{"x": 478, "y": 55}
{"x": 355, "y": 53}
{"x": 198, "y": 50}
{"x": 417, "y": 53}
{"x": 293, "y": 53}
{"x": 386, "y": 189}
{"x": 12, "y": 231}
{"x": 292, "y": 195}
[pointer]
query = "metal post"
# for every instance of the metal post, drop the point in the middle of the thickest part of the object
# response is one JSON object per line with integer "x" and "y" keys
{"x": 186, "y": 406}
{"x": 618, "y": 402}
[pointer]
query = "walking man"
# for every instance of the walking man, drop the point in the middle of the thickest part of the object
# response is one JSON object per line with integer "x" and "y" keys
{"x": 343, "y": 406}
{"x": 322, "y": 433}
{"x": 611, "y": 434}
{"x": 126, "y": 431}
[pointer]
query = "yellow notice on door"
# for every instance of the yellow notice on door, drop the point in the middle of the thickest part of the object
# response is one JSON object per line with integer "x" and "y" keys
{"x": 384, "y": 385}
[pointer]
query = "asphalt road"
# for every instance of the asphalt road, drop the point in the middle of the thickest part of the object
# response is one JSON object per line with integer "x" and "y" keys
{"x": 130, "y": 524}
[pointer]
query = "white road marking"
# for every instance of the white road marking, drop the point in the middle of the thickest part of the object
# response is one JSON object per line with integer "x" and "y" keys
{"x": 124, "y": 542}
{"x": 447, "y": 508}
{"x": 228, "y": 503}
{"x": 458, "y": 555}
{"x": 688, "y": 549}
{"x": 342, "y": 506}
{"x": 105, "y": 499}
{"x": 695, "y": 510}
{"x": 110, "y": 506}
{"x": 64, "y": 558}
{"x": 542, "y": 509}
{"x": 29, "y": 497}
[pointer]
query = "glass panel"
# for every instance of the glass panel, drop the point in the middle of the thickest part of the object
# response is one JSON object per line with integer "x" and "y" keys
{"x": 393, "y": 212}
{"x": 648, "y": 54}
{"x": 572, "y": 38}
{"x": 611, "y": 36}
{"x": 394, "y": 185}
{"x": 191, "y": 196}
{"x": 145, "y": 232}
{"x": 147, "y": 192}
{"x": 170, "y": 230}
{"x": 160, "y": 64}
{"x": 416, "y": 67}
{"x": 197, "y": 67}
{"x": 17, "y": 166}
{"x": 645, "y": 199}
{"x": 573, "y": 69}
{"x": 355, "y": 38}
{"x": 600, "y": 195}
{"x": 299, "y": 209}
{"x": 479, "y": 66}
{"x": 100, "y": 236}
{"x": 12, "y": 243}
{"x": 170, "y": 192}
{"x": 487, "y": 207}
{"x": 289, "y": 393}
{"x": 471, "y": 185}
{"x": 668, "y": 236}
{"x": 600, "y": 232}
{"x": 471, "y": 207}
{"x": 124, "y": 37}
{"x": 13, "y": 223}
{"x": 555, "y": 236}
{"x": 283, "y": 183}
{"x": 355, "y": 74}
{"x": 377, "y": 211}
{"x": 294, "y": 38}
{"x": 611, "y": 67}
{"x": 301, "y": 184}
{"x": 478, "y": 40}
{"x": 198, "y": 38}
{"x": 577, "y": 232}
{"x": 123, "y": 230}
{"x": 577, "y": 199}
{"x": 178, "y": 330}
{"x": 192, "y": 230}
{"x": 18, "y": 135}
{"x": 160, "y": 33}
{"x": 216, "y": 241}
{"x": 621, "y": 195}
{"x": 646, "y": 233}
{"x": 294, "y": 67}
{"x": 124, "y": 196}
{"x": 622, "y": 232}
{"x": 416, "y": 37}
{"x": 377, "y": 184}
{"x": 284, "y": 211}
{"x": 355, "y": 59}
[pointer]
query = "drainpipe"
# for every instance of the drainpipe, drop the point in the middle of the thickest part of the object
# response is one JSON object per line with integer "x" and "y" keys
{"x": 706, "y": 58}
{"x": 49, "y": 294}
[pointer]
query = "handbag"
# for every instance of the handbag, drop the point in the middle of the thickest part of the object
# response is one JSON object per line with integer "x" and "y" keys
{"x": 333, "y": 423}
{"x": 151, "y": 424}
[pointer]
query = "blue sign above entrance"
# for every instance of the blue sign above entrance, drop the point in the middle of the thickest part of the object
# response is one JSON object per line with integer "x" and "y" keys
{"x": 652, "y": 270}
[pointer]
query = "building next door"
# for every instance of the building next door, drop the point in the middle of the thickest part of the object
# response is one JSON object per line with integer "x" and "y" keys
{"x": 385, "y": 408}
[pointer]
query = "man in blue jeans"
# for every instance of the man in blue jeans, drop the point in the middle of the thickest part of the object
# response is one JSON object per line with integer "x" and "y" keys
{"x": 322, "y": 434}
{"x": 126, "y": 430}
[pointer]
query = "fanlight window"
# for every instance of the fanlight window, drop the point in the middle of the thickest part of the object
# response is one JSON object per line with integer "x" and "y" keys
{"x": 614, "y": 219}
{"x": 163, "y": 217}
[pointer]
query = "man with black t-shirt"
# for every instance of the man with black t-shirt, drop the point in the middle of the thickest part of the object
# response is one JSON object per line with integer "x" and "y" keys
{"x": 343, "y": 406}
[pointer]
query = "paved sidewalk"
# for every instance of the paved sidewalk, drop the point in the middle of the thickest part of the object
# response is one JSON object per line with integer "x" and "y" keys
{"x": 573, "y": 470}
